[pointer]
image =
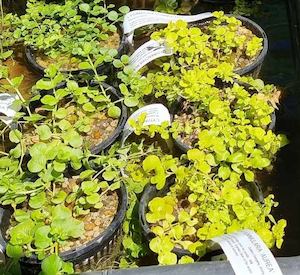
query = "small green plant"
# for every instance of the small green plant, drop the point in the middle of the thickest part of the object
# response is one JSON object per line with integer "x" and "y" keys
{"x": 61, "y": 31}
{"x": 49, "y": 207}
{"x": 69, "y": 114}
{"x": 231, "y": 129}
{"x": 223, "y": 39}
{"x": 133, "y": 86}
{"x": 199, "y": 207}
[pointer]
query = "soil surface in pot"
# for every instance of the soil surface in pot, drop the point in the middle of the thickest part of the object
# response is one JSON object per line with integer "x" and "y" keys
{"x": 101, "y": 127}
{"x": 96, "y": 222}
{"x": 69, "y": 63}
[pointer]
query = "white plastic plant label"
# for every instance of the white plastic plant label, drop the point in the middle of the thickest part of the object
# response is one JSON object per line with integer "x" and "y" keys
{"x": 248, "y": 254}
{"x": 7, "y": 111}
{"x": 155, "y": 114}
{"x": 139, "y": 18}
{"x": 148, "y": 52}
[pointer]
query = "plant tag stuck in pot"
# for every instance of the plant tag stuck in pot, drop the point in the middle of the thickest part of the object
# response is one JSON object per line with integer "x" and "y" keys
{"x": 156, "y": 114}
{"x": 140, "y": 18}
{"x": 7, "y": 110}
{"x": 248, "y": 254}
{"x": 147, "y": 52}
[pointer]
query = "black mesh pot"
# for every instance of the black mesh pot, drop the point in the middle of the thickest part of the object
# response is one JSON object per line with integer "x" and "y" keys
{"x": 84, "y": 256}
{"x": 106, "y": 68}
{"x": 151, "y": 192}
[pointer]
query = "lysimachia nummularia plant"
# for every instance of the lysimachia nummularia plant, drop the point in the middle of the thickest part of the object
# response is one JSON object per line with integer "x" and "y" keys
{"x": 199, "y": 206}
{"x": 221, "y": 39}
{"x": 231, "y": 128}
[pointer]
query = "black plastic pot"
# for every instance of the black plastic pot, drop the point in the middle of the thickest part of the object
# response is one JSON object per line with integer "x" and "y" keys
{"x": 115, "y": 95}
{"x": 183, "y": 147}
{"x": 105, "y": 68}
{"x": 254, "y": 68}
{"x": 83, "y": 256}
{"x": 151, "y": 192}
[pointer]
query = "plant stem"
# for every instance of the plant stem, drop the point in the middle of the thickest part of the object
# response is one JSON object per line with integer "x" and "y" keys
{"x": 19, "y": 95}
{"x": 22, "y": 156}
{"x": 1, "y": 27}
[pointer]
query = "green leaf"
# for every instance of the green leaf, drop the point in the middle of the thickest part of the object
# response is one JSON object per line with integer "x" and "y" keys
{"x": 41, "y": 239}
{"x": 186, "y": 260}
{"x": 67, "y": 268}
{"x": 36, "y": 165}
{"x": 114, "y": 112}
{"x": 86, "y": 174}
{"x": 38, "y": 200}
{"x": 61, "y": 212}
{"x": 93, "y": 199}
{"x": 109, "y": 175}
{"x": 22, "y": 233}
{"x": 64, "y": 125}
{"x": 116, "y": 185}
{"x": 14, "y": 251}
{"x": 88, "y": 107}
{"x": 61, "y": 113}
{"x": 216, "y": 107}
{"x": 124, "y": 9}
{"x": 45, "y": 84}
{"x": 49, "y": 100}
{"x": 16, "y": 152}
{"x": 167, "y": 258}
{"x": 151, "y": 162}
{"x": 236, "y": 157}
{"x": 59, "y": 166}
{"x": 224, "y": 172}
{"x": 131, "y": 101}
{"x": 112, "y": 15}
{"x": 232, "y": 196}
{"x": 84, "y": 65}
{"x": 52, "y": 265}
{"x": 15, "y": 136}
{"x": 16, "y": 81}
{"x": 21, "y": 215}
{"x": 84, "y": 7}
{"x": 249, "y": 176}
{"x": 44, "y": 132}
{"x": 90, "y": 187}
{"x": 117, "y": 64}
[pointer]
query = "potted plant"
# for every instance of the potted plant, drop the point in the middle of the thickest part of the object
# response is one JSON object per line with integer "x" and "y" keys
{"x": 233, "y": 126}
{"x": 90, "y": 115}
{"x": 57, "y": 33}
{"x": 181, "y": 219}
{"x": 205, "y": 44}
{"x": 56, "y": 207}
